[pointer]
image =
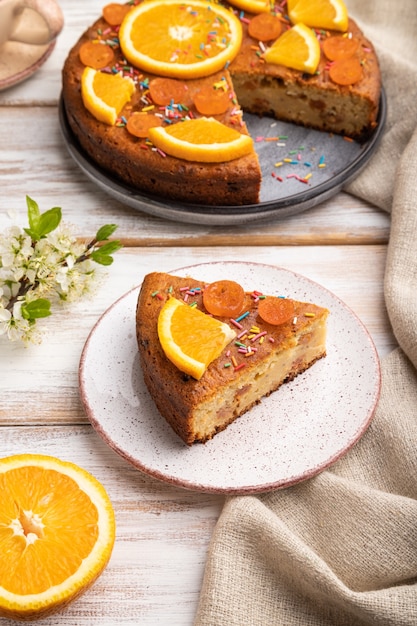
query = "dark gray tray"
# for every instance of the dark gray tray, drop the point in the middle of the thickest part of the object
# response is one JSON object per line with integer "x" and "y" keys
{"x": 278, "y": 199}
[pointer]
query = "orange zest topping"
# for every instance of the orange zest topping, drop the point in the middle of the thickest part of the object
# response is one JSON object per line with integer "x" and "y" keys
{"x": 139, "y": 124}
{"x": 224, "y": 298}
{"x": 346, "y": 71}
{"x": 114, "y": 13}
{"x": 96, "y": 55}
{"x": 211, "y": 101}
{"x": 166, "y": 90}
{"x": 339, "y": 47}
{"x": 265, "y": 27}
{"x": 275, "y": 310}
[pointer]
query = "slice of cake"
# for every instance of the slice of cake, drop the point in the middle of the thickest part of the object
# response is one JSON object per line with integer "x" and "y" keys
{"x": 260, "y": 357}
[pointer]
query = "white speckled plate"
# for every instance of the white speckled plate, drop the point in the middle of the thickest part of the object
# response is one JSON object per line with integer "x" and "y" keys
{"x": 290, "y": 436}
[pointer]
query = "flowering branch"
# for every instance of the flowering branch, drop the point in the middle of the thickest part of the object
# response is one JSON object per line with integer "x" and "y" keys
{"x": 45, "y": 262}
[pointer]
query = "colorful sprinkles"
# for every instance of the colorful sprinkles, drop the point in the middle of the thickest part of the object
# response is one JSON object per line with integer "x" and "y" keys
{"x": 249, "y": 338}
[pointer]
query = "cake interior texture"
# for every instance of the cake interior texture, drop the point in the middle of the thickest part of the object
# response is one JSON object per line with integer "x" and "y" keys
{"x": 199, "y": 409}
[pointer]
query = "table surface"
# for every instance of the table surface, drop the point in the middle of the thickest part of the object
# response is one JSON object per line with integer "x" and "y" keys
{"x": 155, "y": 572}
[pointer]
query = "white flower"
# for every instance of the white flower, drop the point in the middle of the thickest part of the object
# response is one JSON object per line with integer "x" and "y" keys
{"x": 54, "y": 266}
{"x": 17, "y": 310}
{"x": 5, "y": 317}
{"x": 62, "y": 279}
{"x": 15, "y": 248}
{"x": 15, "y": 328}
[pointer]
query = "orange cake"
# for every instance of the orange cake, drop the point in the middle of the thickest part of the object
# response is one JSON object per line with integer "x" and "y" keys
{"x": 254, "y": 357}
{"x": 141, "y": 137}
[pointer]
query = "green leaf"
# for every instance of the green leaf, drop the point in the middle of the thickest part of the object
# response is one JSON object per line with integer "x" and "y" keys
{"x": 35, "y": 309}
{"x": 40, "y": 224}
{"x": 49, "y": 221}
{"x": 105, "y": 232}
{"x": 102, "y": 259}
{"x": 33, "y": 212}
{"x": 110, "y": 247}
{"x": 33, "y": 218}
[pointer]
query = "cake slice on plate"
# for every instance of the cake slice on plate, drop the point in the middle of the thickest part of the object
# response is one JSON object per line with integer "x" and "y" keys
{"x": 210, "y": 361}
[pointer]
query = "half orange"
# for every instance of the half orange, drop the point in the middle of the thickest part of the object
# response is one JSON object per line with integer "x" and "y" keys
{"x": 57, "y": 531}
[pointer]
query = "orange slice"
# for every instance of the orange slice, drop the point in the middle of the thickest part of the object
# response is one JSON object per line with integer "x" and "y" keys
{"x": 180, "y": 39}
{"x": 297, "y": 48}
{"x": 57, "y": 532}
{"x": 105, "y": 95}
{"x": 253, "y": 6}
{"x": 205, "y": 140}
{"x": 191, "y": 339}
{"x": 326, "y": 14}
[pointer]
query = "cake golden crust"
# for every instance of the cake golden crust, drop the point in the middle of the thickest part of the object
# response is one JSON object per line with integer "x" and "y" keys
{"x": 198, "y": 410}
{"x": 261, "y": 88}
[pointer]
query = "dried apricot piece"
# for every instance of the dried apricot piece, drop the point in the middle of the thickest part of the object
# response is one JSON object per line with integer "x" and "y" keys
{"x": 166, "y": 90}
{"x": 339, "y": 47}
{"x": 346, "y": 71}
{"x": 96, "y": 55}
{"x": 211, "y": 101}
{"x": 114, "y": 13}
{"x": 276, "y": 311}
{"x": 139, "y": 123}
{"x": 224, "y": 298}
{"x": 264, "y": 27}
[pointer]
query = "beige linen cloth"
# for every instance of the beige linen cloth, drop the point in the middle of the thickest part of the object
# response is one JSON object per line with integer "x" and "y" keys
{"x": 341, "y": 549}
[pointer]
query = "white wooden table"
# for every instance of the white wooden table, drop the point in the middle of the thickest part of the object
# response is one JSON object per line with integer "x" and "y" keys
{"x": 156, "y": 569}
